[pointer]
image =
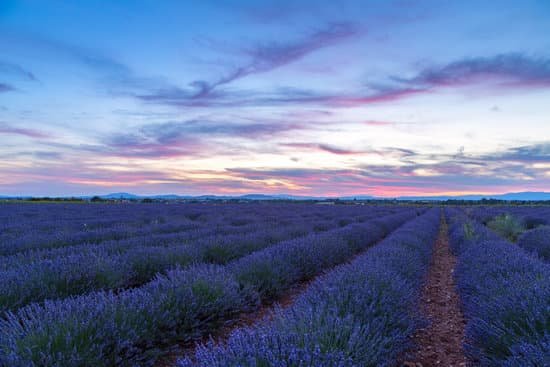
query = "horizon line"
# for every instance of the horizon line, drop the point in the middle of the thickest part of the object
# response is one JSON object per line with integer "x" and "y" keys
{"x": 240, "y": 195}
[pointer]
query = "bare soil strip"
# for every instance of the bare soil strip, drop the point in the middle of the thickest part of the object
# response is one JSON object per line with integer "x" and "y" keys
{"x": 264, "y": 312}
{"x": 441, "y": 343}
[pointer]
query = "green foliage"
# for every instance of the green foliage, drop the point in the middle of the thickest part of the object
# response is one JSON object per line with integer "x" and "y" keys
{"x": 469, "y": 232}
{"x": 507, "y": 226}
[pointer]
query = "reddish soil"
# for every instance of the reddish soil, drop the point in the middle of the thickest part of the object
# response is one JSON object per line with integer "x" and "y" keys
{"x": 441, "y": 343}
{"x": 244, "y": 319}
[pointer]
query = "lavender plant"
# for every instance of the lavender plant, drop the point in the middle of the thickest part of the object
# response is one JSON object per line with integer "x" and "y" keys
{"x": 506, "y": 298}
{"x": 537, "y": 241}
{"x": 360, "y": 314}
{"x": 127, "y": 328}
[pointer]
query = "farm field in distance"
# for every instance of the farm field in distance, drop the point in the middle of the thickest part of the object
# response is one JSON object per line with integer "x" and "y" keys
{"x": 274, "y": 284}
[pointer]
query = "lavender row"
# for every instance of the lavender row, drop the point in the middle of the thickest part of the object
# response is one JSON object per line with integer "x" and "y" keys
{"x": 123, "y": 264}
{"x": 537, "y": 241}
{"x": 52, "y": 218}
{"x": 528, "y": 227}
{"x": 506, "y": 297}
{"x": 39, "y": 231}
{"x": 360, "y": 314}
{"x": 27, "y": 220}
{"x": 104, "y": 329}
{"x": 181, "y": 237}
{"x": 115, "y": 247}
{"x": 101, "y": 268}
{"x": 215, "y": 228}
{"x": 528, "y": 216}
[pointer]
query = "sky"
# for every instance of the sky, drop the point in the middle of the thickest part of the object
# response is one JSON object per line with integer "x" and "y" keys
{"x": 381, "y": 98}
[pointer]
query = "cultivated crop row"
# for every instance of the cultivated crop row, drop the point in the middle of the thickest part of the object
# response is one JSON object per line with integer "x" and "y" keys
{"x": 506, "y": 297}
{"x": 529, "y": 227}
{"x": 219, "y": 227}
{"x": 46, "y": 226}
{"x": 130, "y": 263}
{"x": 123, "y": 264}
{"x": 537, "y": 241}
{"x": 125, "y": 328}
{"x": 360, "y": 314}
{"x": 529, "y": 216}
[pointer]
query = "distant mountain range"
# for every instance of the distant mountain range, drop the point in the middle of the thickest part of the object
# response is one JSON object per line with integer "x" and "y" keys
{"x": 525, "y": 196}
{"x": 128, "y": 196}
{"x": 521, "y": 196}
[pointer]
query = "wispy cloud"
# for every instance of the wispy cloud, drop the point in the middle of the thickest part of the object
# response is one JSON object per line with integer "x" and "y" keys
{"x": 282, "y": 96}
{"x": 259, "y": 58}
{"x": 30, "y": 133}
{"x": 268, "y": 56}
{"x": 511, "y": 70}
{"x": 181, "y": 138}
{"x": 37, "y": 154}
{"x": 505, "y": 71}
{"x": 113, "y": 76}
{"x": 527, "y": 153}
{"x": 6, "y": 88}
{"x": 141, "y": 145}
{"x": 327, "y": 148}
{"x": 17, "y": 71}
{"x": 338, "y": 150}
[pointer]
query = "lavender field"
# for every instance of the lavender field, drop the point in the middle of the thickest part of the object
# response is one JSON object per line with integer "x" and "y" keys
{"x": 274, "y": 183}
{"x": 267, "y": 284}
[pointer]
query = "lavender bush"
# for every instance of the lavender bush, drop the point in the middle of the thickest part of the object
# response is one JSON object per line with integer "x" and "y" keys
{"x": 106, "y": 329}
{"x": 537, "y": 241}
{"x": 360, "y": 314}
{"x": 25, "y": 227}
{"x": 61, "y": 272}
{"x": 506, "y": 298}
{"x": 273, "y": 270}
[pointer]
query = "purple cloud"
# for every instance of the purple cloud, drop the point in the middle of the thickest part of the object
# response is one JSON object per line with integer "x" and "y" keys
{"x": 6, "y": 88}
{"x": 527, "y": 153}
{"x": 283, "y": 173}
{"x": 262, "y": 58}
{"x": 383, "y": 152}
{"x": 509, "y": 70}
{"x": 324, "y": 148}
{"x": 513, "y": 69}
{"x": 284, "y": 96}
{"x": 112, "y": 75}
{"x": 37, "y": 154}
{"x": 169, "y": 131}
{"x": 16, "y": 70}
{"x": 30, "y": 133}
{"x": 181, "y": 138}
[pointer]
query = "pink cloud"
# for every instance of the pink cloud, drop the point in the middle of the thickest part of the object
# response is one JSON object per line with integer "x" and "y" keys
{"x": 377, "y": 123}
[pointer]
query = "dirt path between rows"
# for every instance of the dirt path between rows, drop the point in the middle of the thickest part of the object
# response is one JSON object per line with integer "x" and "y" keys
{"x": 265, "y": 311}
{"x": 441, "y": 343}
